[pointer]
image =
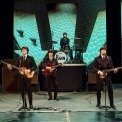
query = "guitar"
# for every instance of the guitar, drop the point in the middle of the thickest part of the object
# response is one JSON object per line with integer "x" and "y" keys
{"x": 22, "y": 70}
{"x": 105, "y": 72}
{"x": 48, "y": 72}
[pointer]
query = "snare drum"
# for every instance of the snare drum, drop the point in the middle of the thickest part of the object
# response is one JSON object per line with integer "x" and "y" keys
{"x": 60, "y": 57}
{"x": 66, "y": 49}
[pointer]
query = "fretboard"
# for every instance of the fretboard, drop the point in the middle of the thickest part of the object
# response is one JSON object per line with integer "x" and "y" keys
{"x": 15, "y": 67}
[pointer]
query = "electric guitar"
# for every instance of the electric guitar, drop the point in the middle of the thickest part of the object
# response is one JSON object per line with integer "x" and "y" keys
{"x": 105, "y": 72}
{"x": 22, "y": 70}
{"x": 53, "y": 67}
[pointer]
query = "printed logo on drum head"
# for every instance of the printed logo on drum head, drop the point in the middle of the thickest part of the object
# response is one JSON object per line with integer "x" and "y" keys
{"x": 60, "y": 57}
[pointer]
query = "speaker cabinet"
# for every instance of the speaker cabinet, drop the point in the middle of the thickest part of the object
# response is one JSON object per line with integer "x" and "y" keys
{"x": 9, "y": 80}
{"x": 92, "y": 78}
{"x": 92, "y": 81}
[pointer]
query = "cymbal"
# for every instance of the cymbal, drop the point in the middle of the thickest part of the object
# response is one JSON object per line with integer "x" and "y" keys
{"x": 76, "y": 38}
{"x": 75, "y": 45}
{"x": 54, "y": 42}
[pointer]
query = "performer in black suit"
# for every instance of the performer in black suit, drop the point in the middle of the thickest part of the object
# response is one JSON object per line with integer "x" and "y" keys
{"x": 103, "y": 62}
{"x": 25, "y": 83}
{"x": 51, "y": 76}
{"x": 64, "y": 43}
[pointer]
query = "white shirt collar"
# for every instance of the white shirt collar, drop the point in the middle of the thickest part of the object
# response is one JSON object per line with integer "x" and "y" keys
{"x": 25, "y": 56}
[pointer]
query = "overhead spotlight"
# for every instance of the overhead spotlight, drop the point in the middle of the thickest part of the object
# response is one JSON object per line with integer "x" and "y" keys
{"x": 20, "y": 33}
{"x": 34, "y": 41}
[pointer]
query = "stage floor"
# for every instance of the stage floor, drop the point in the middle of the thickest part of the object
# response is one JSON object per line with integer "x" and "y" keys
{"x": 71, "y": 107}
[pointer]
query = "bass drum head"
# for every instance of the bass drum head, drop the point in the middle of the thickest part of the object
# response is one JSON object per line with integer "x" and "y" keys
{"x": 60, "y": 57}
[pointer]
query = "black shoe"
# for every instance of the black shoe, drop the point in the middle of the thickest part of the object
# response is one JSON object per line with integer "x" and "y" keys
{"x": 23, "y": 108}
{"x": 56, "y": 98}
{"x": 112, "y": 106}
{"x": 50, "y": 98}
{"x": 98, "y": 105}
{"x": 31, "y": 106}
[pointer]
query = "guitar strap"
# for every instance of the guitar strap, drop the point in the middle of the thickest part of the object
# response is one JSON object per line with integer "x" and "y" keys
{"x": 20, "y": 62}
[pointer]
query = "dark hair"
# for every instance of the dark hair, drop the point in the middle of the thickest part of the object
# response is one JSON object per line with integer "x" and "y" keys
{"x": 103, "y": 48}
{"x": 24, "y": 47}
{"x": 64, "y": 33}
{"x": 50, "y": 51}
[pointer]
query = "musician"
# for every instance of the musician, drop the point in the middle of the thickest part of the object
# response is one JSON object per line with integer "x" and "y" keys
{"x": 25, "y": 83}
{"x": 103, "y": 62}
{"x": 64, "y": 43}
{"x": 51, "y": 78}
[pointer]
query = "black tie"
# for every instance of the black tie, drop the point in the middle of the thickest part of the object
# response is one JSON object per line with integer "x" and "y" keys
{"x": 24, "y": 58}
{"x": 103, "y": 58}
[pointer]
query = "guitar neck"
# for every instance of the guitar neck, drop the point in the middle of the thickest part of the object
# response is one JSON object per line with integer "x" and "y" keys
{"x": 11, "y": 65}
{"x": 57, "y": 66}
{"x": 109, "y": 70}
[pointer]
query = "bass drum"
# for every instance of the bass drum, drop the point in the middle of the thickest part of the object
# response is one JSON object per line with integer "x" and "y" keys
{"x": 60, "y": 57}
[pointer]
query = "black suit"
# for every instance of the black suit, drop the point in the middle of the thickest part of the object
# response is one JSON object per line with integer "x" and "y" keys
{"x": 25, "y": 83}
{"x": 51, "y": 78}
{"x": 64, "y": 43}
{"x": 102, "y": 64}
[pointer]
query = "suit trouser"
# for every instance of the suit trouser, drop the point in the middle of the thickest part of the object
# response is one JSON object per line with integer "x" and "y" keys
{"x": 25, "y": 85}
{"x": 49, "y": 80}
{"x": 109, "y": 87}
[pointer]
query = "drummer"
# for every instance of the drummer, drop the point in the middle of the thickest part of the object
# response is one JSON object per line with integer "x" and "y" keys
{"x": 64, "y": 43}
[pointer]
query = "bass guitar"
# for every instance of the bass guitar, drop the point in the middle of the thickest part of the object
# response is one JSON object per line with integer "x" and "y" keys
{"x": 22, "y": 70}
{"x": 53, "y": 67}
{"x": 105, "y": 72}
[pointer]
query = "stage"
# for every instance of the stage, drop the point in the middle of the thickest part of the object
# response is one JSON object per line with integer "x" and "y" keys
{"x": 78, "y": 106}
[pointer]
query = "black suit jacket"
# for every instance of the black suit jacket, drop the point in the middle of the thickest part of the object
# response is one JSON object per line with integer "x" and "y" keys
{"x": 64, "y": 42}
{"x": 29, "y": 63}
{"x": 100, "y": 64}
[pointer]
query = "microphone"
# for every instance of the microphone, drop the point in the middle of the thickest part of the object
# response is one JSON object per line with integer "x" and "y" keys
{"x": 52, "y": 33}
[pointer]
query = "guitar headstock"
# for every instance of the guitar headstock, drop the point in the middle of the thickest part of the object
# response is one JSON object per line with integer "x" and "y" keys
{"x": 61, "y": 64}
{"x": 1, "y": 61}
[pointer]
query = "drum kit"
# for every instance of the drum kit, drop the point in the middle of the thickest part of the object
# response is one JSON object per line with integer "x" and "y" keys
{"x": 62, "y": 55}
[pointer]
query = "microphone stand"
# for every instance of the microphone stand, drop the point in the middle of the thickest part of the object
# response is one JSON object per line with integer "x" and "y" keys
{"x": 24, "y": 107}
{"x": 105, "y": 106}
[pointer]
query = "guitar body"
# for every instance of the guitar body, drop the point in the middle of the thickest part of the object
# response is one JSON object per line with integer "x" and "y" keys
{"x": 47, "y": 72}
{"x": 22, "y": 71}
{"x": 103, "y": 76}
{"x": 29, "y": 74}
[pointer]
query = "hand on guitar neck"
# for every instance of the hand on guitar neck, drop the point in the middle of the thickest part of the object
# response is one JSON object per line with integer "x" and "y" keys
{"x": 26, "y": 71}
{"x": 9, "y": 66}
{"x": 115, "y": 70}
